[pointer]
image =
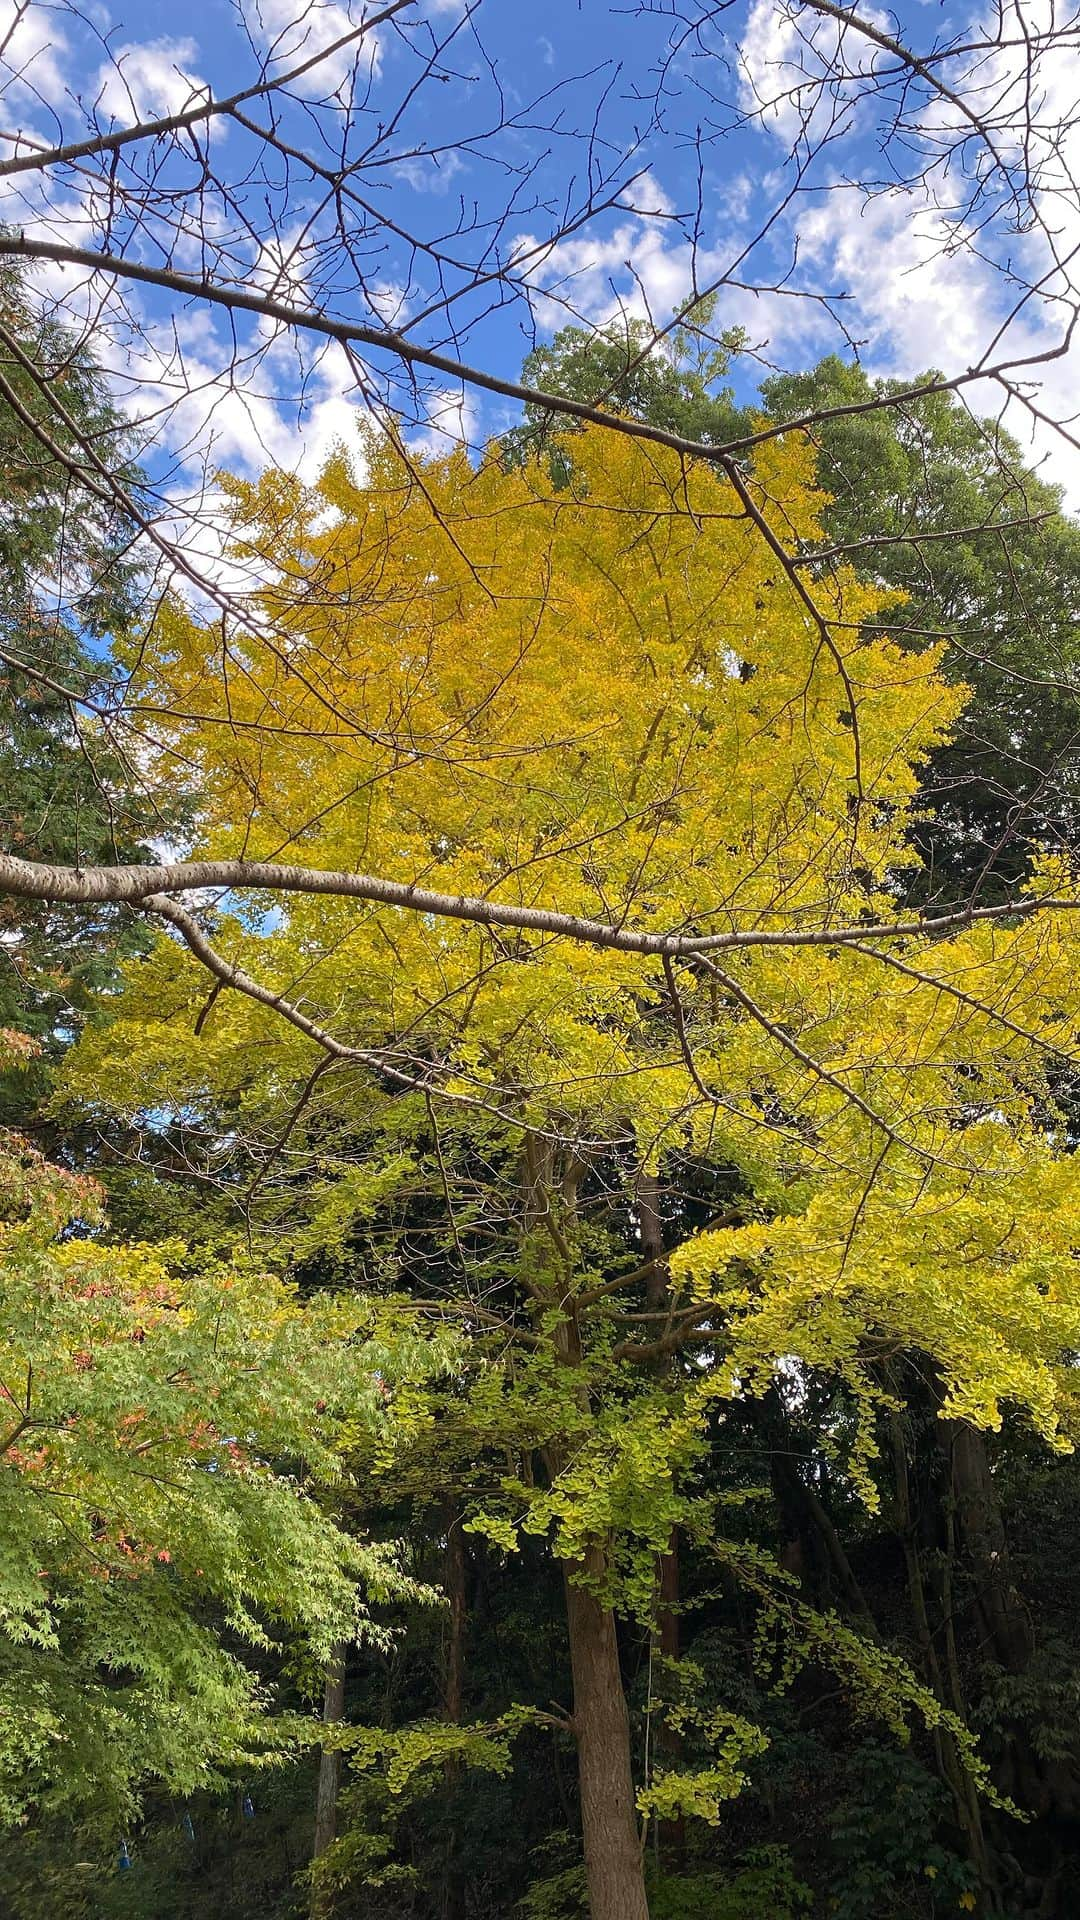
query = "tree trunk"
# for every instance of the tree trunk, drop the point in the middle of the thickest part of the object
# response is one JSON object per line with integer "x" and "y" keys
{"x": 666, "y": 1642}
{"x": 454, "y": 1893}
{"x": 667, "y": 1743}
{"x": 326, "y": 1797}
{"x": 950, "y": 1767}
{"x": 1007, "y": 1633}
{"x": 651, "y": 1230}
{"x": 1047, "y": 1785}
{"x": 614, "y": 1870}
{"x": 614, "y": 1864}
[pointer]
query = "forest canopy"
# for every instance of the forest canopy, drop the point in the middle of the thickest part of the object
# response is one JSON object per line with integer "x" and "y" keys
{"x": 539, "y": 1025}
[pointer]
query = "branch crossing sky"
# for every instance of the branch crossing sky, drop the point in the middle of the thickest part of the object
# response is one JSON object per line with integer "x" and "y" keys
{"x": 523, "y": 167}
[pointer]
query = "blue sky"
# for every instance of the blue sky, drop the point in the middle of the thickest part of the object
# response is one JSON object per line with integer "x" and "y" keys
{"x": 526, "y": 107}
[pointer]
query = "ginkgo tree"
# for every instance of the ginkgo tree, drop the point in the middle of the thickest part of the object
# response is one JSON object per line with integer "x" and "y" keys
{"x": 582, "y": 811}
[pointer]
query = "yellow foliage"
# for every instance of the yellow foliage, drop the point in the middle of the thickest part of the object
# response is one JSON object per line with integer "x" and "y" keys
{"x": 611, "y": 700}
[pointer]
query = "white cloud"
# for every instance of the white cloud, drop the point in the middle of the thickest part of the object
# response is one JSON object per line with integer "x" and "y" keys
{"x": 920, "y": 298}
{"x": 800, "y": 70}
{"x": 214, "y": 409}
{"x": 32, "y": 66}
{"x": 389, "y": 302}
{"x": 645, "y": 268}
{"x": 452, "y": 421}
{"x": 1025, "y": 91}
{"x": 927, "y": 285}
{"x": 646, "y": 197}
{"x": 208, "y": 416}
{"x": 430, "y": 172}
{"x": 636, "y": 268}
{"x": 294, "y": 31}
{"x": 149, "y": 80}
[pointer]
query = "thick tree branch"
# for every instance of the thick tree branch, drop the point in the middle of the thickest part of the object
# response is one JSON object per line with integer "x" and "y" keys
{"x": 33, "y": 880}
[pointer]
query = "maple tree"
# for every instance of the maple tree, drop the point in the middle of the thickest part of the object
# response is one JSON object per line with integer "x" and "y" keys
{"x": 611, "y": 705}
{"x": 170, "y": 1423}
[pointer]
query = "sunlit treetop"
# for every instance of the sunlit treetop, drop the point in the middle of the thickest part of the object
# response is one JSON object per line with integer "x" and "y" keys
{"x": 609, "y": 701}
{"x": 612, "y": 698}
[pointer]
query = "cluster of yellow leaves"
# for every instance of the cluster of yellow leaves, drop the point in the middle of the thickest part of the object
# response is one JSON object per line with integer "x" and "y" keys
{"x": 612, "y": 701}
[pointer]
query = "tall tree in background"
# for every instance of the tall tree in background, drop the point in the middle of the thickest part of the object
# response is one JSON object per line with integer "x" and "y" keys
{"x": 680, "y": 387}
{"x": 942, "y": 505}
{"x": 172, "y": 1423}
{"x": 925, "y": 498}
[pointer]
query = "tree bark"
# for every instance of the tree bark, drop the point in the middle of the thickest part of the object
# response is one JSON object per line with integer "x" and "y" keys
{"x": 1046, "y": 1785}
{"x": 813, "y": 1547}
{"x": 947, "y": 1758}
{"x": 455, "y": 1895}
{"x": 613, "y": 1855}
{"x": 454, "y": 1579}
{"x": 326, "y": 1797}
{"x": 667, "y": 1743}
{"x": 614, "y": 1869}
{"x": 666, "y": 1639}
{"x": 1007, "y": 1633}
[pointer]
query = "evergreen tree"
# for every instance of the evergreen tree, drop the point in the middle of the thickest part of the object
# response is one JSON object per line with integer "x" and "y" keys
{"x": 71, "y": 582}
